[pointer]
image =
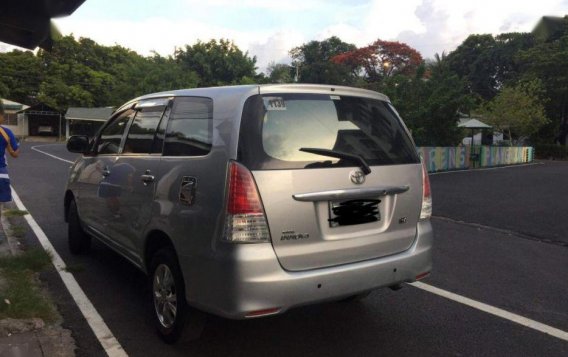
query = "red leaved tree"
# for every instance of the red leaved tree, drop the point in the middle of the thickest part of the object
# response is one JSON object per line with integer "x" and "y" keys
{"x": 381, "y": 59}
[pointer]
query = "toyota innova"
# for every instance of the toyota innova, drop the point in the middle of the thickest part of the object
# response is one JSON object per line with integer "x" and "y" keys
{"x": 247, "y": 201}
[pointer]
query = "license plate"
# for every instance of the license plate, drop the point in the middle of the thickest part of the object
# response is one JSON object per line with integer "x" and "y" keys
{"x": 352, "y": 212}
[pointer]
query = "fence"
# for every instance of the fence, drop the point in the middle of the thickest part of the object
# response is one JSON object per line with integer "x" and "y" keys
{"x": 466, "y": 157}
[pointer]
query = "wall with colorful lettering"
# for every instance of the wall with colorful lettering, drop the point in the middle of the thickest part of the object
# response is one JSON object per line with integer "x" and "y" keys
{"x": 463, "y": 157}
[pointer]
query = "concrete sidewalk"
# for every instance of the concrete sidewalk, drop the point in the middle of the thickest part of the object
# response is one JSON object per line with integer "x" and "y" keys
{"x": 29, "y": 337}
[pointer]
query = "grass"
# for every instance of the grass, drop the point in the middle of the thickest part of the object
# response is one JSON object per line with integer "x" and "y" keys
{"x": 20, "y": 294}
{"x": 18, "y": 231}
{"x": 14, "y": 213}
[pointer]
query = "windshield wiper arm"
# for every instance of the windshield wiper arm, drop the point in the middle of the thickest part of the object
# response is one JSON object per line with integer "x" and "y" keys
{"x": 341, "y": 155}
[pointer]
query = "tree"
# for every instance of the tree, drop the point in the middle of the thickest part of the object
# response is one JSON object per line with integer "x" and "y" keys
{"x": 314, "y": 64}
{"x": 280, "y": 73}
{"x": 217, "y": 63}
{"x": 518, "y": 109}
{"x": 547, "y": 62}
{"x": 488, "y": 63}
{"x": 20, "y": 76}
{"x": 472, "y": 61}
{"x": 75, "y": 73}
{"x": 4, "y": 90}
{"x": 381, "y": 60}
{"x": 84, "y": 73}
{"x": 137, "y": 75}
{"x": 430, "y": 102}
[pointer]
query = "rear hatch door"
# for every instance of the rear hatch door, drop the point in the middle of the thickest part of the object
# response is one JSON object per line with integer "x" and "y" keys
{"x": 310, "y": 154}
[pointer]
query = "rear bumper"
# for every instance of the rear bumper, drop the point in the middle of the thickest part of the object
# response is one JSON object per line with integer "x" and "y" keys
{"x": 248, "y": 278}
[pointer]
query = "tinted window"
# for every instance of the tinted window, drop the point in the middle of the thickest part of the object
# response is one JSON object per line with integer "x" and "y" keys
{"x": 111, "y": 135}
{"x": 276, "y": 127}
{"x": 142, "y": 132}
{"x": 189, "y": 131}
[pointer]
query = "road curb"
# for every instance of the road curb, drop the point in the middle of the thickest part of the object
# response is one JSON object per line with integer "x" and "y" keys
{"x": 12, "y": 242}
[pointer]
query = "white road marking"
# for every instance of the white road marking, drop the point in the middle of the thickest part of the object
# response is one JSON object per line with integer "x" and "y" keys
{"x": 35, "y": 148}
{"x": 535, "y": 325}
{"x": 95, "y": 321}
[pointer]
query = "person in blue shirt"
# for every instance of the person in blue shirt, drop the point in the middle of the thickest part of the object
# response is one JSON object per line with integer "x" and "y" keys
{"x": 8, "y": 143}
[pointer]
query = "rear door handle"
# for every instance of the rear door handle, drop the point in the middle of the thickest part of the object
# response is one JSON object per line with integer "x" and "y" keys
{"x": 105, "y": 172}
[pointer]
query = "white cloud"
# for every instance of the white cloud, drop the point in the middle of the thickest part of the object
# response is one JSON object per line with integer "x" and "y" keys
{"x": 429, "y": 25}
{"x": 152, "y": 34}
{"x": 275, "y": 48}
{"x": 448, "y": 22}
{"x": 386, "y": 19}
{"x": 143, "y": 38}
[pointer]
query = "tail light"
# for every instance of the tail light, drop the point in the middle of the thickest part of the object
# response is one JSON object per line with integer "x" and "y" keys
{"x": 246, "y": 221}
{"x": 426, "y": 211}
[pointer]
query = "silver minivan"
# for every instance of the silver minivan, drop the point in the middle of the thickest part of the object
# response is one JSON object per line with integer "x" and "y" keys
{"x": 246, "y": 201}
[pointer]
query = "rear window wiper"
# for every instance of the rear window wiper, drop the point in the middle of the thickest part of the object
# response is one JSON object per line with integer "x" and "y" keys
{"x": 341, "y": 155}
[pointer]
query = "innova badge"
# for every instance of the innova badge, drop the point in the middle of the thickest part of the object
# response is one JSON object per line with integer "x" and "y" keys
{"x": 357, "y": 177}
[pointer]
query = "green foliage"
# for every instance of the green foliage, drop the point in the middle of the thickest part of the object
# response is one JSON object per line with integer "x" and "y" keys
{"x": 20, "y": 74}
{"x": 487, "y": 63}
{"x": 551, "y": 151}
{"x": 217, "y": 63}
{"x": 430, "y": 106}
{"x": 4, "y": 90}
{"x": 280, "y": 73}
{"x": 314, "y": 62}
{"x": 518, "y": 109}
{"x": 548, "y": 62}
{"x": 491, "y": 64}
{"x": 84, "y": 73}
{"x": 20, "y": 294}
{"x": 14, "y": 213}
{"x": 34, "y": 260}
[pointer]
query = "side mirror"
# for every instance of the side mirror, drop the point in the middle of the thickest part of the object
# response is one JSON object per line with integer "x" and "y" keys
{"x": 78, "y": 144}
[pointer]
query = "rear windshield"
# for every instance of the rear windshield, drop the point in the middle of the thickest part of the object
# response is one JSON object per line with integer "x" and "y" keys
{"x": 275, "y": 127}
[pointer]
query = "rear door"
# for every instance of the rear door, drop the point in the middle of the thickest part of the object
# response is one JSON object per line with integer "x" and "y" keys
{"x": 322, "y": 209}
{"x": 188, "y": 191}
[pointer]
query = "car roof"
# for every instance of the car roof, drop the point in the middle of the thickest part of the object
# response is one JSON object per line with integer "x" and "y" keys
{"x": 251, "y": 89}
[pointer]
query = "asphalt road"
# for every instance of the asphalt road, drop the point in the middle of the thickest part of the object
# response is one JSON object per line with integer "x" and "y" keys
{"x": 499, "y": 239}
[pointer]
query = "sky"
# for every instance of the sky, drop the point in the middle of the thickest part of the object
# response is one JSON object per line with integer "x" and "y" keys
{"x": 268, "y": 29}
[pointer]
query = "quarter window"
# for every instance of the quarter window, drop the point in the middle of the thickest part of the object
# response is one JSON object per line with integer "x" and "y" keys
{"x": 141, "y": 134}
{"x": 189, "y": 131}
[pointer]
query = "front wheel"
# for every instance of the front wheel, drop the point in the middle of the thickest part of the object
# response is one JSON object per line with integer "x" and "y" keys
{"x": 168, "y": 295}
{"x": 79, "y": 241}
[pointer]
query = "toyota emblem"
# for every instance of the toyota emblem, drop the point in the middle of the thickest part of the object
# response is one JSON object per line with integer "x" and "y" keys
{"x": 357, "y": 177}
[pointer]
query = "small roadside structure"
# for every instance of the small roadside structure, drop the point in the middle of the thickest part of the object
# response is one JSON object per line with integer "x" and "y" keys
{"x": 472, "y": 123}
{"x": 11, "y": 115}
{"x": 85, "y": 121}
{"x": 41, "y": 120}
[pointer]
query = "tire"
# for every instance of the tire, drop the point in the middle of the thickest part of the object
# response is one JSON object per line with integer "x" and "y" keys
{"x": 79, "y": 241}
{"x": 168, "y": 295}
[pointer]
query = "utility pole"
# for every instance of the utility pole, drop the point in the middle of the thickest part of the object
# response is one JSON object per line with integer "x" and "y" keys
{"x": 297, "y": 77}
